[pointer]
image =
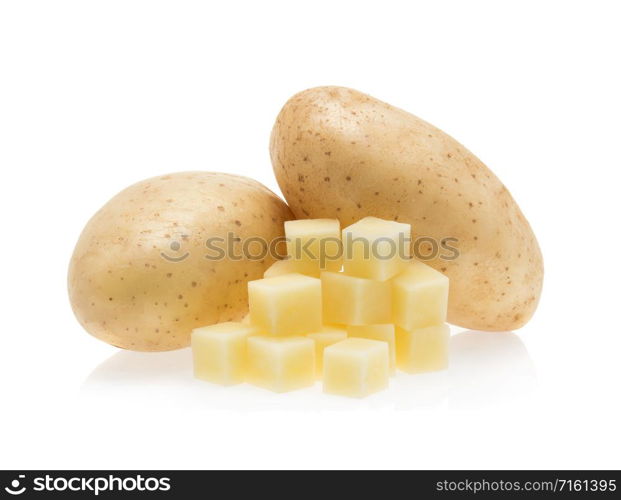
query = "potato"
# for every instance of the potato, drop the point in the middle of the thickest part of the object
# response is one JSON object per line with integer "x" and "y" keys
{"x": 339, "y": 153}
{"x": 140, "y": 277}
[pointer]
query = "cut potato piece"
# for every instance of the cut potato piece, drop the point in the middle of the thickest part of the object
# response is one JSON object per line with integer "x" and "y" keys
{"x": 375, "y": 249}
{"x": 420, "y": 297}
{"x": 219, "y": 352}
{"x": 286, "y": 305}
{"x": 314, "y": 245}
{"x": 356, "y": 367}
{"x": 423, "y": 349}
{"x": 281, "y": 364}
{"x": 348, "y": 300}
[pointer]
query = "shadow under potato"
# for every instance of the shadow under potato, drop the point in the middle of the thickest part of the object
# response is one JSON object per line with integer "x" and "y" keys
{"x": 128, "y": 367}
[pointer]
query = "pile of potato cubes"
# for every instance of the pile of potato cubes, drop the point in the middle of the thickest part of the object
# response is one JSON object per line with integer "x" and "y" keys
{"x": 348, "y": 308}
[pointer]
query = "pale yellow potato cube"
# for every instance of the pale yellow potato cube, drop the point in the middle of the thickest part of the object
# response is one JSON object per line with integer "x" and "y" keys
{"x": 285, "y": 305}
{"x": 288, "y": 266}
{"x": 420, "y": 296}
{"x": 348, "y": 300}
{"x": 281, "y": 364}
{"x": 376, "y": 248}
{"x": 314, "y": 244}
{"x": 327, "y": 336}
{"x": 423, "y": 349}
{"x": 219, "y": 352}
{"x": 356, "y": 367}
{"x": 383, "y": 333}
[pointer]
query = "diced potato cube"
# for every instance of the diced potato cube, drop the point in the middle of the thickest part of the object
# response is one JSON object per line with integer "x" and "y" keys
{"x": 327, "y": 336}
{"x": 375, "y": 248}
{"x": 348, "y": 300}
{"x": 285, "y": 305}
{"x": 420, "y": 296}
{"x": 219, "y": 352}
{"x": 355, "y": 367}
{"x": 314, "y": 244}
{"x": 384, "y": 333}
{"x": 288, "y": 266}
{"x": 423, "y": 349}
{"x": 281, "y": 364}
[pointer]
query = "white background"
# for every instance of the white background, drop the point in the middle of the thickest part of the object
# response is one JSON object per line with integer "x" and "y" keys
{"x": 97, "y": 95}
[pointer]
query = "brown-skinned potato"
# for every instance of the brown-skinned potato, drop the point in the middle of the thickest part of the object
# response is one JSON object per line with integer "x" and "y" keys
{"x": 140, "y": 278}
{"x": 339, "y": 153}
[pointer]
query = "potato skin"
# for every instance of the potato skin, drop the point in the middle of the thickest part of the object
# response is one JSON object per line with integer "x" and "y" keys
{"x": 339, "y": 153}
{"x": 139, "y": 277}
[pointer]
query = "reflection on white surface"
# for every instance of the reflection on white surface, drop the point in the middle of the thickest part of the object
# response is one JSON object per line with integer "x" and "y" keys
{"x": 128, "y": 367}
{"x": 421, "y": 391}
{"x": 485, "y": 369}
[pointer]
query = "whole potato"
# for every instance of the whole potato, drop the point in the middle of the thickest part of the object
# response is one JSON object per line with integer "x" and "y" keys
{"x": 140, "y": 277}
{"x": 339, "y": 153}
